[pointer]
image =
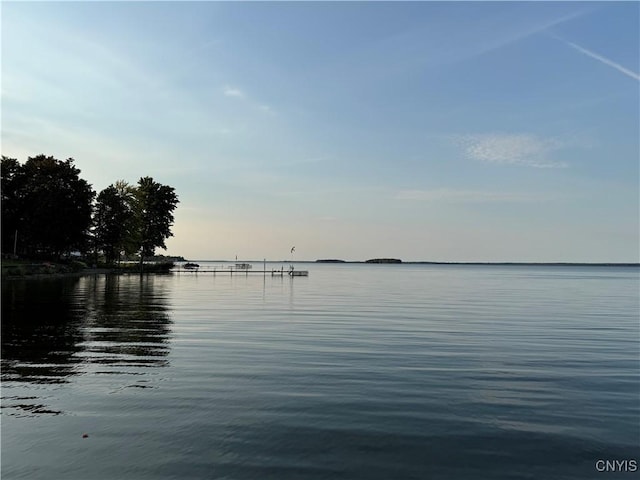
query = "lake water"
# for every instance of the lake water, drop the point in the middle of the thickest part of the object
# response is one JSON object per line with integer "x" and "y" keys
{"x": 355, "y": 372}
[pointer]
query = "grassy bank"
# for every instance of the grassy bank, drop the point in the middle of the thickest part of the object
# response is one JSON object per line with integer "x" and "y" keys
{"x": 26, "y": 267}
{"x": 18, "y": 268}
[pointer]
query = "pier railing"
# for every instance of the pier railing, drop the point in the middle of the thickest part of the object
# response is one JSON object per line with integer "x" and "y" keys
{"x": 234, "y": 270}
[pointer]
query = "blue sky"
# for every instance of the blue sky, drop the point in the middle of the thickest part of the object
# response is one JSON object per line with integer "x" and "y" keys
{"x": 460, "y": 131}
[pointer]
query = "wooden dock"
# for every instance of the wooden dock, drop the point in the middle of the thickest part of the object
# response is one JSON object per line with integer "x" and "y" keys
{"x": 280, "y": 272}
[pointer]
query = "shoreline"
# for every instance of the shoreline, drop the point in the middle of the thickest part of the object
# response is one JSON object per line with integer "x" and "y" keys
{"x": 114, "y": 271}
{"x": 87, "y": 272}
{"x": 80, "y": 273}
{"x": 26, "y": 269}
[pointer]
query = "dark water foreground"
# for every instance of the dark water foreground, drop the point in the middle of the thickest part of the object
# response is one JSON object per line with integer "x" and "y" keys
{"x": 356, "y": 372}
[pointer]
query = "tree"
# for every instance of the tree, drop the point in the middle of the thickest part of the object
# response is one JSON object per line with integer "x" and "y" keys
{"x": 51, "y": 207}
{"x": 12, "y": 179}
{"x": 48, "y": 203}
{"x": 115, "y": 221}
{"x": 155, "y": 204}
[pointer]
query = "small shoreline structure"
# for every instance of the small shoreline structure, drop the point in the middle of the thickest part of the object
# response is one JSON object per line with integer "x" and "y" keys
{"x": 239, "y": 269}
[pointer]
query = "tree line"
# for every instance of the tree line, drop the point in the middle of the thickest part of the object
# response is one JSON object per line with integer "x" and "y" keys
{"x": 49, "y": 211}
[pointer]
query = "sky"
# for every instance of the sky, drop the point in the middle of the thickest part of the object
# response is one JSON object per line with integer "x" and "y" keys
{"x": 425, "y": 131}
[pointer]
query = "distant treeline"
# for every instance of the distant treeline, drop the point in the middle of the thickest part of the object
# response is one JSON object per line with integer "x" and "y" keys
{"x": 372, "y": 260}
{"x": 49, "y": 211}
{"x": 527, "y": 264}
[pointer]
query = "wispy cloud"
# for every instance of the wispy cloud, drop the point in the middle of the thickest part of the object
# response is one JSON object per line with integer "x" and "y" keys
{"x": 512, "y": 149}
{"x": 233, "y": 92}
{"x": 466, "y": 196}
{"x": 267, "y": 109}
{"x": 600, "y": 58}
{"x": 517, "y": 32}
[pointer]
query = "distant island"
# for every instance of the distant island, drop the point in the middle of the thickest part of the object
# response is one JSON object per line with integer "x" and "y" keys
{"x": 330, "y": 260}
{"x": 384, "y": 260}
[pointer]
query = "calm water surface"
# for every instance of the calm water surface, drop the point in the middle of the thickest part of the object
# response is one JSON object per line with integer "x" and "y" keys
{"x": 356, "y": 372}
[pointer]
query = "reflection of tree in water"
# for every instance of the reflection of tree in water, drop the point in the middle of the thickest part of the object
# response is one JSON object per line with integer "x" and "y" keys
{"x": 41, "y": 329}
{"x": 128, "y": 325}
{"x": 53, "y": 329}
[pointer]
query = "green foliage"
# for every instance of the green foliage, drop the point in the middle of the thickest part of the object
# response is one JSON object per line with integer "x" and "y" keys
{"x": 11, "y": 191}
{"x": 134, "y": 219}
{"x": 48, "y": 204}
{"x": 77, "y": 265}
{"x": 50, "y": 207}
{"x": 155, "y": 267}
{"x": 156, "y": 203}
{"x": 116, "y": 221}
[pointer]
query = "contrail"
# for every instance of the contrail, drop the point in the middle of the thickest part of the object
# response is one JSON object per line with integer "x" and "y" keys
{"x": 604, "y": 60}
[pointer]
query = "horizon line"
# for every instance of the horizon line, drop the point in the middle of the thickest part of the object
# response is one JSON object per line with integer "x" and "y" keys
{"x": 423, "y": 262}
